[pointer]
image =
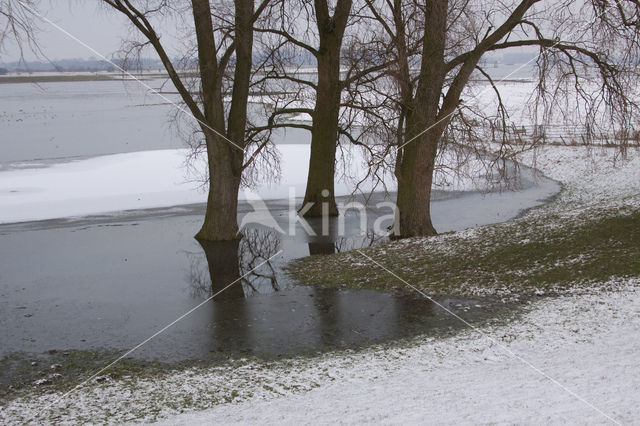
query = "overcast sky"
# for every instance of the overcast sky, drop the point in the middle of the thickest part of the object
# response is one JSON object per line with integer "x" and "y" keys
{"x": 94, "y": 25}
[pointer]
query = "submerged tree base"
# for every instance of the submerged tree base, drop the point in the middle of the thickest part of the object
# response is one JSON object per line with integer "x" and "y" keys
{"x": 319, "y": 207}
{"x": 204, "y": 235}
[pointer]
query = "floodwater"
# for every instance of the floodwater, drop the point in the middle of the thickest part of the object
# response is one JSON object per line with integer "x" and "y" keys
{"x": 113, "y": 283}
{"x": 109, "y": 282}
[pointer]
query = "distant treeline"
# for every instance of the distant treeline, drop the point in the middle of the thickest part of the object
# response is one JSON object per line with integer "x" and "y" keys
{"x": 79, "y": 65}
{"x": 147, "y": 64}
{"x": 302, "y": 57}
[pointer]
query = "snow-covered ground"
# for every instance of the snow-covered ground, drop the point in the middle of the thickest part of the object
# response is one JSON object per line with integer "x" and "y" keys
{"x": 584, "y": 343}
{"x": 567, "y": 360}
{"x": 138, "y": 180}
{"x": 570, "y": 359}
{"x": 590, "y": 176}
{"x": 39, "y": 190}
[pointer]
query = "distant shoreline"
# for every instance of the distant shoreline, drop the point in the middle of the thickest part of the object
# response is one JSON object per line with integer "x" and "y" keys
{"x": 52, "y": 78}
{"x": 65, "y": 77}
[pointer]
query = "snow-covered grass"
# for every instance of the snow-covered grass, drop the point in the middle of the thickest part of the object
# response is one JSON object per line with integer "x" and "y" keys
{"x": 582, "y": 342}
{"x": 591, "y": 175}
{"x": 585, "y": 340}
{"x": 589, "y": 234}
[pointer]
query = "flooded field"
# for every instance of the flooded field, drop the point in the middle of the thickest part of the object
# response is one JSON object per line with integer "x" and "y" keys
{"x": 110, "y": 282}
{"x": 105, "y": 283}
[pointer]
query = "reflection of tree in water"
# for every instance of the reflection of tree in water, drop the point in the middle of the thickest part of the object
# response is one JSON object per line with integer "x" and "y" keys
{"x": 258, "y": 246}
{"x": 331, "y": 239}
{"x": 351, "y": 243}
{"x": 223, "y": 266}
{"x": 228, "y": 261}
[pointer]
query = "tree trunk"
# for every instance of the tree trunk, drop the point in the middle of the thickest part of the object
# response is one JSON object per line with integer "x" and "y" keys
{"x": 320, "y": 191}
{"x": 415, "y": 178}
{"x": 424, "y": 130}
{"x": 225, "y": 139}
{"x": 324, "y": 137}
{"x": 225, "y": 154}
{"x": 221, "y": 217}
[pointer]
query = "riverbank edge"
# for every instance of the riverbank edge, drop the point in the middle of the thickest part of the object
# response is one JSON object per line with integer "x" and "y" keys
{"x": 568, "y": 245}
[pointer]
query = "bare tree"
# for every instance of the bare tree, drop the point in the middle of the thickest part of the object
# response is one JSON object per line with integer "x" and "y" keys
{"x": 224, "y": 37}
{"x": 587, "y": 54}
{"x": 324, "y": 133}
{"x": 316, "y": 28}
{"x": 18, "y": 25}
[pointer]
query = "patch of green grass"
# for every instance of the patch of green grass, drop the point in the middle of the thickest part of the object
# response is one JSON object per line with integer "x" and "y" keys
{"x": 539, "y": 254}
{"x": 22, "y": 374}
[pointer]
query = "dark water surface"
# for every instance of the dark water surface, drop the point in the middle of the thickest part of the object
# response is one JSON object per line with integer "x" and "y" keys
{"x": 113, "y": 284}
{"x": 110, "y": 282}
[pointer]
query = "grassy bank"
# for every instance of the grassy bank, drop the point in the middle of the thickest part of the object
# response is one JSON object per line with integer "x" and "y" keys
{"x": 60, "y": 371}
{"x": 547, "y": 253}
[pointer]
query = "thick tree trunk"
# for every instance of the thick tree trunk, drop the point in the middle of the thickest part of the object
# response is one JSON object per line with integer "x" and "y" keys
{"x": 221, "y": 217}
{"x": 324, "y": 137}
{"x": 415, "y": 178}
{"x": 423, "y": 131}
{"x": 319, "y": 193}
{"x": 225, "y": 139}
{"x": 225, "y": 154}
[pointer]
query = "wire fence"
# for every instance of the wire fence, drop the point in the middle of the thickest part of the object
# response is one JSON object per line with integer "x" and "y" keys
{"x": 563, "y": 135}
